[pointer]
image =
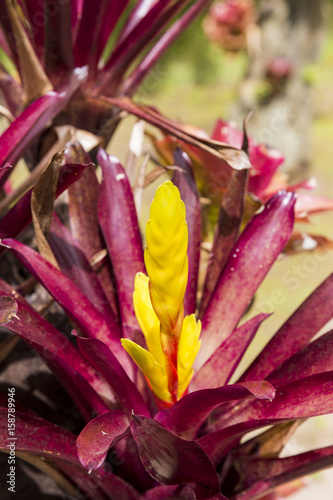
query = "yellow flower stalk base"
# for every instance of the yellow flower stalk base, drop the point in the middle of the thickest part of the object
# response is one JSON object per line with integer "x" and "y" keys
{"x": 172, "y": 340}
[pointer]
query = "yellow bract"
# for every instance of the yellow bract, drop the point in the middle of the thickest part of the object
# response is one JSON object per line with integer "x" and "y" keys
{"x": 166, "y": 254}
{"x": 188, "y": 347}
{"x": 147, "y": 319}
{"x": 172, "y": 341}
{"x": 154, "y": 372}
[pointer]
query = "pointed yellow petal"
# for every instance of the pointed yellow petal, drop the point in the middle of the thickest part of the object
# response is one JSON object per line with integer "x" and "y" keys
{"x": 166, "y": 254}
{"x": 154, "y": 372}
{"x": 147, "y": 318}
{"x": 188, "y": 347}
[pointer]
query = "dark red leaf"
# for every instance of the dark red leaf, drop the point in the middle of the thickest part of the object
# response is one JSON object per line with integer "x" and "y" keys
{"x": 198, "y": 405}
{"x": 296, "y": 332}
{"x": 221, "y": 365}
{"x": 98, "y": 436}
{"x": 226, "y": 232}
{"x": 101, "y": 358}
{"x": 74, "y": 302}
{"x": 119, "y": 223}
{"x": 185, "y": 182}
{"x": 170, "y": 459}
{"x": 76, "y": 267}
{"x": 250, "y": 260}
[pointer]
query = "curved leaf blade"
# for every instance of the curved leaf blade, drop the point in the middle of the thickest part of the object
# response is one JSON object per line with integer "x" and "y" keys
{"x": 98, "y": 436}
{"x": 170, "y": 459}
{"x": 250, "y": 260}
{"x": 196, "y": 406}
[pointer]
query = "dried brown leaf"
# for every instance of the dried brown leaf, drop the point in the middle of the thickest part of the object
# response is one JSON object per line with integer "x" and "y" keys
{"x": 42, "y": 200}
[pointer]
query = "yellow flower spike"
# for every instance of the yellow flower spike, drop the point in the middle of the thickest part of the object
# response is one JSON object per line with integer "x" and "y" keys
{"x": 147, "y": 319}
{"x": 166, "y": 256}
{"x": 188, "y": 347}
{"x": 153, "y": 371}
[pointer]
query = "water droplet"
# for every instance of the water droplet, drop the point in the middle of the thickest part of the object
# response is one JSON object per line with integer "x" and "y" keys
{"x": 232, "y": 269}
{"x": 237, "y": 249}
{"x": 234, "y": 255}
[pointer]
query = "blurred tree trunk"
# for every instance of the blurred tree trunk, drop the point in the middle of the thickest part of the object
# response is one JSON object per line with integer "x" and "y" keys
{"x": 278, "y": 82}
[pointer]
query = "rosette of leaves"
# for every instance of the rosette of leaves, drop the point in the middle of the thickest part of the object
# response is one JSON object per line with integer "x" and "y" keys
{"x": 168, "y": 410}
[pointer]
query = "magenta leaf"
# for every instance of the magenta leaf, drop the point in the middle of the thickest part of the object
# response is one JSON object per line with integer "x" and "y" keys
{"x": 185, "y": 182}
{"x": 266, "y": 474}
{"x": 226, "y": 232}
{"x": 193, "y": 492}
{"x": 176, "y": 29}
{"x": 52, "y": 345}
{"x": 8, "y": 309}
{"x": 316, "y": 357}
{"x": 101, "y": 358}
{"x": 76, "y": 267}
{"x": 74, "y": 302}
{"x": 142, "y": 33}
{"x": 295, "y": 333}
{"x": 170, "y": 459}
{"x": 221, "y": 365}
{"x": 303, "y": 398}
{"x": 250, "y": 260}
{"x": 198, "y": 405}
{"x": 119, "y": 223}
{"x": 83, "y": 219}
{"x": 98, "y": 436}
{"x": 20, "y": 133}
{"x": 39, "y": 437}
{"x": 98, "y": 21}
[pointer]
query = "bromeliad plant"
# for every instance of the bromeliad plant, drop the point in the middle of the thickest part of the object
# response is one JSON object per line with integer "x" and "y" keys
{"x": 61, "y": 60}
{"x": 150, "y": 369}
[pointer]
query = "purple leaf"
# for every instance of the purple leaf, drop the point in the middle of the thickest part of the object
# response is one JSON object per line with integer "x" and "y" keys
{"x": 81, "y": 392}
{"x": 161, "y": 45}
{"x": 316, "y": 357}
{"x": 58, "y": 40}
{"x": 101, "y": 358}
{"x": 265, "y": 474}
{"x": 76, "y": 267}
{"x": 119, "y": 223}
{"x": 307, "y": 397}
{"x": 33, "y": 119}
{"x": 189, "y": 194}
{"x": 98, "y": 21}
{"x": 18, "y": 217}
{"x": 226, "y": 232}
{"x": 198, "y": 405}
{"x": 170, "y": 459}
{"x": 142, "y": 33}
{"x": 98, "y": 436}
{"x": 8, "y": 309}
{"x": 221, "y": 365}
{"x": 39, "y": 437}
{"x": 304, "y": 323}
{"x": 50, "y": 343}
{"x": 217, "y": 444}
{"x": 193, "y": 492}
{"x": 250, "y": 260}
{"x": 83, "y": 197}
{"x": 70, "y": 297}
